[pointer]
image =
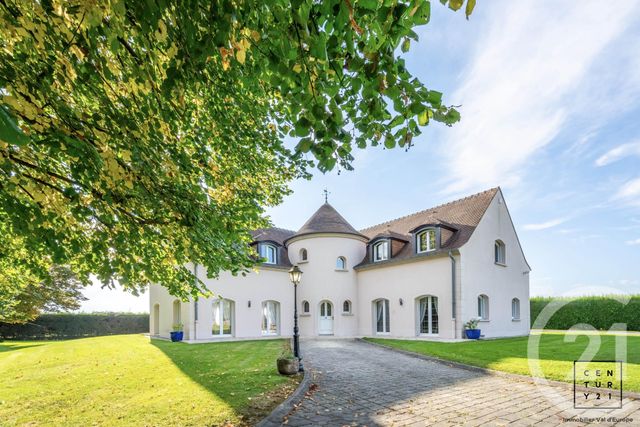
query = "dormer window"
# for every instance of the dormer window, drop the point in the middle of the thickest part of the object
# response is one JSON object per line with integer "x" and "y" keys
{"x": 426, "y": 241}
{"x": 269, "y": 253}
{"x": 381, "y": 251}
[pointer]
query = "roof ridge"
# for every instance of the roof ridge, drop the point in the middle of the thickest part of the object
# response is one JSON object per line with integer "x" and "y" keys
{"x": 278, "y": 228}
{"x": 429, "y": 209}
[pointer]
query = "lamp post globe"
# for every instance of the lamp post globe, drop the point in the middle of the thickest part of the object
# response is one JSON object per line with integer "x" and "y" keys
{"x": 295, "y": 274}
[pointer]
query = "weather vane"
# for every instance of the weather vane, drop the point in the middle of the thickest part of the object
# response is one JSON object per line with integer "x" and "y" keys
{"x": 326, "y": 195}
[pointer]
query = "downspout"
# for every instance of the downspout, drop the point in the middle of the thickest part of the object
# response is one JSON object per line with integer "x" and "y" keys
{"x": 453, "y": 294}
{"x": 195, "y": 302}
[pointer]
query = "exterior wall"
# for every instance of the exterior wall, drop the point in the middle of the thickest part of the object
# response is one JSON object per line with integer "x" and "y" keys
{"x": 322, "y": 282}
{"x": 160, "y": 296}
{"x": 267, "y": 284}
{"x": 408, "y": 281}
{"x": 481, "y": 275}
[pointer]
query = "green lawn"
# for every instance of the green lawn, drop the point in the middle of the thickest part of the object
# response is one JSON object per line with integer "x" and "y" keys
{"x": 510, "y": 354}
{"x": 128, "y": 380}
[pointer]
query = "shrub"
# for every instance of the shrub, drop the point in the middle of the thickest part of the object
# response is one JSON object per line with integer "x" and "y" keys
{"x": 71, "y": 325}
{"x": 601, "y": 312}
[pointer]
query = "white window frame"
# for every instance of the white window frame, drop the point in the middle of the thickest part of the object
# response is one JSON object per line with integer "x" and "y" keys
{"x": 386, "y": 316}
{"x": 304, "y": 255}
{"x": 217, "y": 309}
{"x": 350, "y": 306}
{"x": 264, "y": 253}
{"x": 384, "y": 252}
{"x": 308, "y": 307}
{"x": 500, "y": 252}
{"x": 515, "y": 309}
{"x": 483, "y": 307}
{"x": 341, "y": 263}
{"x": 429, "y": 313}
{"x": 429, "y": 248}
{"x": 265, "y": 307}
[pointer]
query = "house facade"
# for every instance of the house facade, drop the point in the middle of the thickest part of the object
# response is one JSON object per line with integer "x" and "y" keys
{"x": 420, "y": 276}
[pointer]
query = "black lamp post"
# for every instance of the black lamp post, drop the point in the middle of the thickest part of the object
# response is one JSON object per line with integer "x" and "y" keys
{"x": 295, "y": 275}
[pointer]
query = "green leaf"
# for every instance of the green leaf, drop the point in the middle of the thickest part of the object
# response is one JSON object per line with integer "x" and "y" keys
{"x": 455, "y": 4}
{"x": 9, "y": 131}
{"x": 423, "y": 118}
{"x": 434, "y": 98}
{"x": 469, "y": 9}
{"x": 304, "y": 145}
{"x": 406, "y": 44}
{"x": 389, "y": 141}
{"x": 368, "y": 4}
{"x": 397, "y": 121}
{"x": 319, "y": 47}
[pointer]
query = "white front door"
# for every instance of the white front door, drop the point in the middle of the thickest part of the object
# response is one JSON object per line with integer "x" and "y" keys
{"x": 325, "y": 324}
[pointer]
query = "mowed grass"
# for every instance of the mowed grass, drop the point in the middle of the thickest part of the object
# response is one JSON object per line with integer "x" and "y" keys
{"x": 556, "y": 354}
{"x": 130, "y": 380}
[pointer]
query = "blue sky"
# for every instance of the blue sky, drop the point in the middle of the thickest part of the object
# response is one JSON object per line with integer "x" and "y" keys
{"x": 549, "y": 94}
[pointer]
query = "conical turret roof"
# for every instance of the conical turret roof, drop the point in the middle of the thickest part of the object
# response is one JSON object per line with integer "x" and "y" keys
{"x": 326, "y": 220}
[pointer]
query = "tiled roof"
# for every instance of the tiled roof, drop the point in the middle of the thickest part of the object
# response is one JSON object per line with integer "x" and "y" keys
{"x": 326, "y": 220}
{"x": 274, "y": 234}
{"x": 463, "y": 215}
{"x": 390, "y": 234}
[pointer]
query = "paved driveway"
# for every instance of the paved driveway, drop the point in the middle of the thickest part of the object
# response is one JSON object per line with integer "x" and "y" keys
{"x": 360, "y": 384}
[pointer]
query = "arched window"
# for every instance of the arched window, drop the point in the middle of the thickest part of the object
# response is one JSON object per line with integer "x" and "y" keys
{"x": 303, "y": 254}
{"x": 500, "y": 252}
{"x": 427, "y": 315}
{"x": 426, "y": 241}
{"x": 269, "y": 253}
{"x": 381, "y": 251}
{"x": 222, "y": 318}
{"x": 341, "y": 263}
{"x": 176, "y": 313}
{"x": 483, "y": 307}
{"x": 346, "y": 307}
{"x": 515, "y": 309}
{"x": 305, "y": 307}
{"x": 381, "y": 316}
{"x": 271, "y": 318}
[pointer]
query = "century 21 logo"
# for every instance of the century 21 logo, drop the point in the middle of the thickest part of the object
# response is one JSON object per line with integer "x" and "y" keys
{"x": 597, "y": 384}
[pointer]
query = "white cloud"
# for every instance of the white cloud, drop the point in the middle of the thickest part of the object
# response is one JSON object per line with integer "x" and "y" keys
{"x": 103, "y": 299}
{"x": 544, "y": 225}
{"x": 518, "y": 88}
{"x": 633, "y": 242}
{"x": 629, "y": 192}
{"x": 618, "y": 153}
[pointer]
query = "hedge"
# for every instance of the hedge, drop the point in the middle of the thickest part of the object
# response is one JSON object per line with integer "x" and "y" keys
{"x": 70, "y": 325}
{"x": 601, "y": 312}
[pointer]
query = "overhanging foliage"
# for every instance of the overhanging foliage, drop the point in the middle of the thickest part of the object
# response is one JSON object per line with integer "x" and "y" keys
{"x": 137, "y": 137}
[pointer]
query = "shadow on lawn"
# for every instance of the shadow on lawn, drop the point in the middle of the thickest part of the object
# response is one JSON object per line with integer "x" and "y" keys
{"x": 243, "y": 374}
{"x": 9, "y": 346}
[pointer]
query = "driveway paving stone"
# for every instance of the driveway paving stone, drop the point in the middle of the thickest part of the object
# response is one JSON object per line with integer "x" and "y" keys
{"x": 360, "y": 384}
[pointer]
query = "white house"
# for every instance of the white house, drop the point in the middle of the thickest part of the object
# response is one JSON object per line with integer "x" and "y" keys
{"x": 422, "y": 275}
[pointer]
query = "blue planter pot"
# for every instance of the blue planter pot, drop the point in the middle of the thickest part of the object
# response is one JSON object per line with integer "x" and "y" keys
{"x": 472, "y": 334}
{"x": 177, "y": 336}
